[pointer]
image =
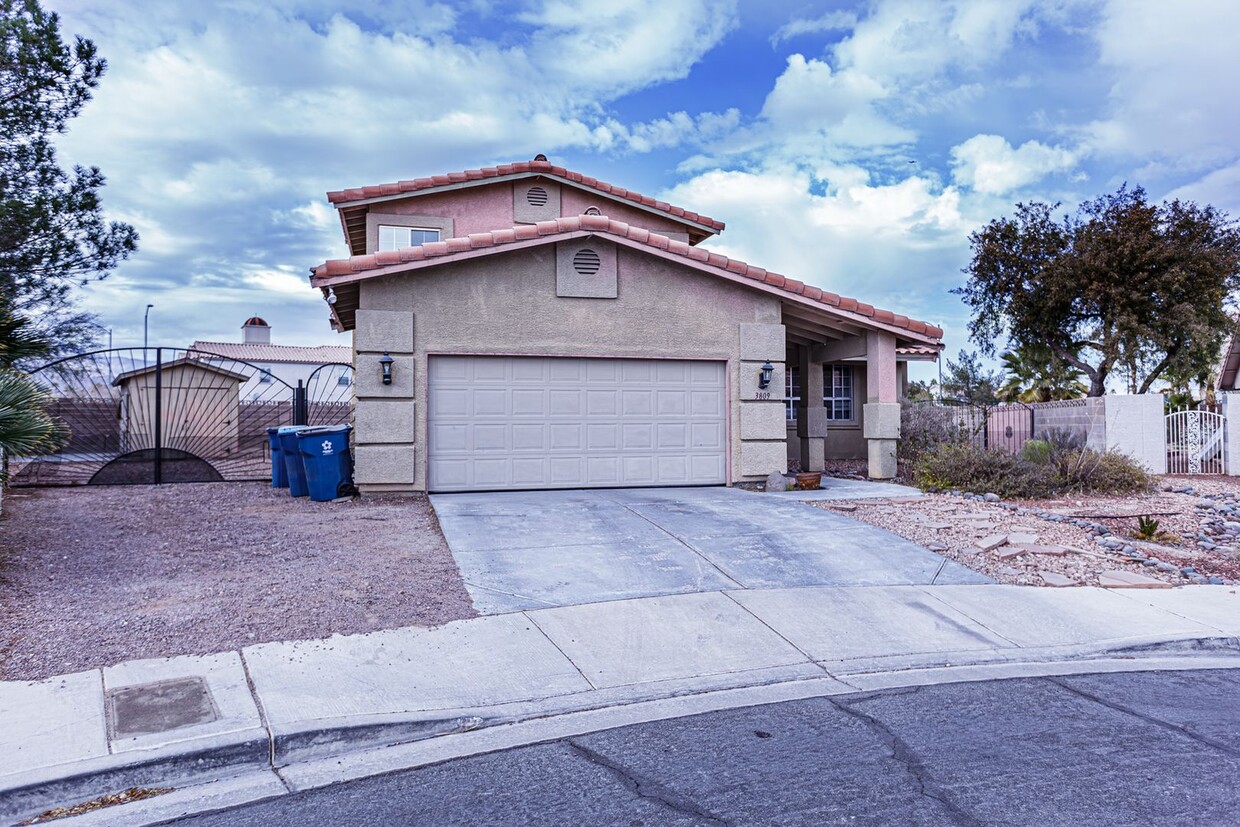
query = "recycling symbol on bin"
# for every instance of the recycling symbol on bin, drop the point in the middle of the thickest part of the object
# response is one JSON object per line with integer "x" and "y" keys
{"x": 327, "y": 446}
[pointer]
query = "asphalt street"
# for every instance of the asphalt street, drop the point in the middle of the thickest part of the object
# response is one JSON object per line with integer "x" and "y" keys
{"x": 1121, "y": 749}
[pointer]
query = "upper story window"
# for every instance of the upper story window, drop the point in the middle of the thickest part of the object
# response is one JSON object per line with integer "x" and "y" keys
{"x": 394, "y": 238}
{"x": 264, "y": 374}
{"x": 344, "y": 380}
{"x": 837, "y": 391}
{"x": 792, "y": 392}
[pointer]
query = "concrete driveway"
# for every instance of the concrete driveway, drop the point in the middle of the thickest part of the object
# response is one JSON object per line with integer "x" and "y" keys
{"x": 534, "y": 549}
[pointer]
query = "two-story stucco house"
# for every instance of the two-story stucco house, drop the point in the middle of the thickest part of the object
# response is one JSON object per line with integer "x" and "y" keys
{"x": 548, "y": 330}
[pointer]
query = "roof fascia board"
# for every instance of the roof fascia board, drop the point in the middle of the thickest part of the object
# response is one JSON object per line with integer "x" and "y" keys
{"x": 517, "y": 176}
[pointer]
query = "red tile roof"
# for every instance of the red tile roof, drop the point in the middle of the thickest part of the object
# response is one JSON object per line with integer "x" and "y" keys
{"x": 256, "y": 352}
{"x": 346, "y": 270}
{"x": 520, "y": 168}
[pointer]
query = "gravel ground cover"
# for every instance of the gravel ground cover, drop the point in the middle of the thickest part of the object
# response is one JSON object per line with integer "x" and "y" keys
{"x": 1075, "y": 540}
{"x": 96, "y": 575}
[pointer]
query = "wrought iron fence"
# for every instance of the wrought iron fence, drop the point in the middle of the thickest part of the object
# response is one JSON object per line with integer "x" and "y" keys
{"x": 156, "y": 415}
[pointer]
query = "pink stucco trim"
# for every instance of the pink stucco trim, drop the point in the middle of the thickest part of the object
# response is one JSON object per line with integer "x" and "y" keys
{"x": 357, "y": 268}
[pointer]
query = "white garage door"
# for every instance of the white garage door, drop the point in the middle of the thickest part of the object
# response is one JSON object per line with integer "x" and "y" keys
{"x": 499, "y": 422}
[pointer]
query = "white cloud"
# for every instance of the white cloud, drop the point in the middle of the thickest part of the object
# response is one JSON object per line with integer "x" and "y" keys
{"x": 990, "y": 165}
{"x": 833, "y": 21}
{"x": 1174, "y": 68}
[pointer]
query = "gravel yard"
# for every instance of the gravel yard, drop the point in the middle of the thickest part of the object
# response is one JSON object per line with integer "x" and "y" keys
{"x": 93, "y": 576}
{"x": 1076, "y": 540}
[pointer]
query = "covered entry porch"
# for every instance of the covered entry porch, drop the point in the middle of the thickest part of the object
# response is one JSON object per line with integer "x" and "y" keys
{"x": 843, "y": 383}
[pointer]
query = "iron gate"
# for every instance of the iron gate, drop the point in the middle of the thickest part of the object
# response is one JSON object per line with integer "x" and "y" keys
{"x": 163, "y": 415}
{"x": 1195, "y": 442}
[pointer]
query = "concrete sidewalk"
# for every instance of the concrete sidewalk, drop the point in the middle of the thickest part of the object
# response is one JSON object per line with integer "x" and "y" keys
{"x": 280, "y": 705}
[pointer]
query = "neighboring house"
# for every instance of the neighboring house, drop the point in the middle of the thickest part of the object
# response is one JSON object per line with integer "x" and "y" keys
{"x": 547, "y": 330}
{"x": 286, "y": 363}
{"x": 199, "y": 408}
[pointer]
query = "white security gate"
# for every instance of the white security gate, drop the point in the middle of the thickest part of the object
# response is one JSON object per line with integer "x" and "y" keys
{"x": 513, "y": 422}
{"x": 1195, "y": 443}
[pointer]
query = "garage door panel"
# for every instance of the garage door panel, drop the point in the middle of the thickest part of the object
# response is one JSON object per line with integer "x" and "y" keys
{"x": 538, "y": 422}
{"x": 490, "y": 402}
{"x": 490, "y": 438}
{"x": 529, "y": 402}
{"x": 532, "y": 437}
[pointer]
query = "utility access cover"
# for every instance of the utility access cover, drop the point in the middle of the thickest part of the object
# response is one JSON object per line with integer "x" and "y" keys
{"x": 158, "y": 707}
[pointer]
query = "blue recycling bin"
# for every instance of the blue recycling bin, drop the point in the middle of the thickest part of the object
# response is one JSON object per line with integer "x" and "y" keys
{"x": 293, "y": 465}
{"x": 279, "y": 474}
{"x": 329, "y": 466}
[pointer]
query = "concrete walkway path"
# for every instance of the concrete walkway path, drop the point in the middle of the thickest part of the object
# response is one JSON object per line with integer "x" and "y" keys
{"x": 293, "y": 711}
{"x": 539, "y": 549}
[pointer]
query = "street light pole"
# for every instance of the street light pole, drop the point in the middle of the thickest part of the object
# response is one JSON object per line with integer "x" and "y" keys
{"x": 145, "y": 319}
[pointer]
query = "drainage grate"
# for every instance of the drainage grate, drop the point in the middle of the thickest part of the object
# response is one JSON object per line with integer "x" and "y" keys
{"x": 536, "y": 196}
{"x": 586, "y": 262}
{"x": 158, "y": 707}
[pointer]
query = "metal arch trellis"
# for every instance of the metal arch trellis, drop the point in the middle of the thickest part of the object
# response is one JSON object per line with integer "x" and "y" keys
{"x": 161, "y": 415}
{"x": 1195, "y": 442}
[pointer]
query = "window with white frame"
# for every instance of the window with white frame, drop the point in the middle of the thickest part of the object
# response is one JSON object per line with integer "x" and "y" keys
{"x": 837, "y": 392}
{"x": 344, "y": 380}
{"x": 264, "y": 374}
{"x": 792, "y": 392}
{"x": 394, "y": 238}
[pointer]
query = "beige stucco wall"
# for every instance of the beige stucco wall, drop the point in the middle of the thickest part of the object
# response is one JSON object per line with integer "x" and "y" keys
{"x": 507, "y": 304}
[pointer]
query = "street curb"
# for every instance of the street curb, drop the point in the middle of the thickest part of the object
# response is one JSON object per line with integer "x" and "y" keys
{"x": 294, "y": 752}
{"x": 27, "y": 794}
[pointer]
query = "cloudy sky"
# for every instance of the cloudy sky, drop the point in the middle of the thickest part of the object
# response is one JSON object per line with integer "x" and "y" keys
{"x": 853, "y": 145}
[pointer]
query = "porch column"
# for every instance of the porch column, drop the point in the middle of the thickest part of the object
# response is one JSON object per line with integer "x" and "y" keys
{"x": 881, "y": 414}
{"x": 811, "y": 415}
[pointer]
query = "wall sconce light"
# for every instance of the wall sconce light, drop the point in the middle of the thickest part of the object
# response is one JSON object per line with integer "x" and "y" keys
{"x": 385, "y": 364}
{"x": 764, "y": 375}
{"x": 331, "y": 295}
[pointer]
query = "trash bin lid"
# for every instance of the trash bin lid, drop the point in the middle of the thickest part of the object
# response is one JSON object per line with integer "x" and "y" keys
{"x": 289, "y": 429}
{"x": 326, "y": 429}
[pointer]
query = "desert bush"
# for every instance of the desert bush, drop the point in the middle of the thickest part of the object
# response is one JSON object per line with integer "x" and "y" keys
{"x": 924, "y": 427}
{"x": 1039, "y": 472}
{"x": 980, "y": 470}
{"x": 1090, "y": 472}
{"x": 1037, "y": 451}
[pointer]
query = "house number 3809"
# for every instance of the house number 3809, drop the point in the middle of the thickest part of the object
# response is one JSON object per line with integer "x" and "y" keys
{"x": 762, "y": 395}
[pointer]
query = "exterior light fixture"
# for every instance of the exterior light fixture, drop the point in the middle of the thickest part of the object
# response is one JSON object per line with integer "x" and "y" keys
{"x": 764, "y": 375}
{"x": 331, "y": 295}
{"x": 385, "y": 364}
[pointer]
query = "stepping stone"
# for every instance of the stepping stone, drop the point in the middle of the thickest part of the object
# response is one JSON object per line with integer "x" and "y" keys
{"x": 992, "y": 542}
{"x": 842, "y": 506}
{"x": 1055, "y": 579}
{"x": 1053, "y": 551}
{"x": 1013, "y": 551}
{"x": 1116, "y": 579}
{"x": 1021, "y": 539}
{"x": 937, "y": 526}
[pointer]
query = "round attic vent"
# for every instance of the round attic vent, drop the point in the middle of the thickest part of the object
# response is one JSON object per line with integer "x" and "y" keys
{"x": 586, "y": 262}
{"x": 592, "y": 211}
{"x": 536, "y": 196}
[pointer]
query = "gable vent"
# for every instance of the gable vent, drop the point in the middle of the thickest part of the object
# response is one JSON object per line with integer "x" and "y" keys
{"x": 586, "y": 262}
{"x": 592, "y": 211}
{"x": 536, "y": 196}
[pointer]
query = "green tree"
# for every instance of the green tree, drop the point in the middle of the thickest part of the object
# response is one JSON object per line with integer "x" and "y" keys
{"x": 1032, "y": 373}
{"x": 968, "y": 382}
{"x": 1121, "y": 286}
{"x": 25, "y": 426}
{"x": 53, "y": 235}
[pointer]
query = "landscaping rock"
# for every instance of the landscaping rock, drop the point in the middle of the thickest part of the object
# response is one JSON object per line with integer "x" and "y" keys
{"x": 776, "y": 482}
{"x": 1018, "y": 538}
{"x": 1056, "y": 580}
